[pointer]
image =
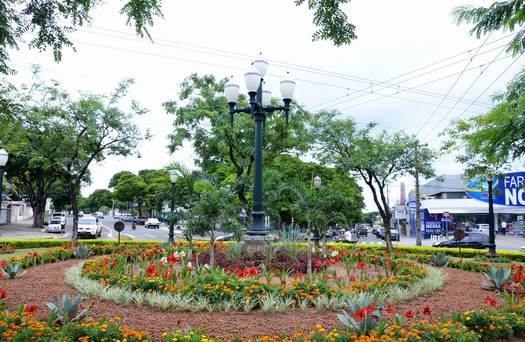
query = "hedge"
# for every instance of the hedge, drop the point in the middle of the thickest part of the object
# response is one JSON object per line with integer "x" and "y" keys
{"x": 465, "y": 252}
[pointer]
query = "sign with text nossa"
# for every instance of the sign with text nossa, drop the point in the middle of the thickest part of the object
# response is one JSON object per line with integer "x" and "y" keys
{"x": 507, "y": 190}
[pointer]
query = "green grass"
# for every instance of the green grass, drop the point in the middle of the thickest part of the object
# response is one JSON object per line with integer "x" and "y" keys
{"x": 21, "y": 252}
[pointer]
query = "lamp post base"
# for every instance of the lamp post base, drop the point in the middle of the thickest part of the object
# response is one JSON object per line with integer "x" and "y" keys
{"x": 491, "y": 253}
{"x": 256, "y": 243}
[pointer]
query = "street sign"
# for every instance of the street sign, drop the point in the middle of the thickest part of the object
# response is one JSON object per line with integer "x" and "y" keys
{"x": 459, "y": 234}
{"x": 119, "y": 226}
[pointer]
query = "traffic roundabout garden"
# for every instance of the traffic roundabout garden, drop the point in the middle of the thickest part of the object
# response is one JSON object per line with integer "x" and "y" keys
{"x": 157, "y": 292}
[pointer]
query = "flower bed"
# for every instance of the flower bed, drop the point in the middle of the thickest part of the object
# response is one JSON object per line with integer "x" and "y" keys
{"x": 264, "y": 284}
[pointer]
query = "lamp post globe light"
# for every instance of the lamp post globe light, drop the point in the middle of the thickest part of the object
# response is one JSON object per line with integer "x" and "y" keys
{"x": 173, "y": 180}
{"x": 4, "y": 156}
{"x": 259, "y": 107}
{"x": 492, "y": 229}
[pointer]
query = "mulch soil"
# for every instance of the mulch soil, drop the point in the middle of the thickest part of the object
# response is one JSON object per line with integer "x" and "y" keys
{"x": 461, "y": 292}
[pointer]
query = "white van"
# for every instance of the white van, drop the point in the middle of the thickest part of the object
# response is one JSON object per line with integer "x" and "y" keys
{"x": 61, "y": 215}
{"x": 56, "y": 226}
{"x": 89, "y": 226}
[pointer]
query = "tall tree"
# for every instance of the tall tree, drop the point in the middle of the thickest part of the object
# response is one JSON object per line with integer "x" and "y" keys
{"x": 500, "y": 15}
{"x": 114, "y": 179}
{"x": 99, "y": 198}
{"x": 375, "y": 158}
{"x": 205, "y": 121}
{"x": 48, "y": 24}
{"x": 131, "y": 188}
{"x": 95, "y": 128}
{"x": 33, "y": 137}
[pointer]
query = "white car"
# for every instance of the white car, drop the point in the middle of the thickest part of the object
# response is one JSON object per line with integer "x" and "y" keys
{"x": 152, "y": 223}
{"x": 522, "y": 248}
{"x": 61, "y": 216}
{"x": 56, "y": 226}
{"x": 481, "y": 228}
{"x": 89, "y": 226}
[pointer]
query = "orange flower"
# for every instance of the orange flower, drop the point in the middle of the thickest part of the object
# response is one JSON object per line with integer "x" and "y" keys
{"x": 29, "y": 309}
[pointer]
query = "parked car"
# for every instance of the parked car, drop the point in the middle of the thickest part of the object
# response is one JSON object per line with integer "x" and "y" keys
{"x": 395, "y": 235}
{"x": 89, "y": 226}
{"x": 56, "y": 226}
{"x": 522, "y": 248}
{"x": 481, "y": 228}
{"x": 61, "y": 215}
{"x": 471, "y": 240}
{"x": 152, "y": 223}
{"x": 140, "y": 220}
{"x": 99, "y": 215}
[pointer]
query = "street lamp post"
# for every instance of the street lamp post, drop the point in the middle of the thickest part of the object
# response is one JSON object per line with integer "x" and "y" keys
{"x": 173, "y": 180}
{"x": 4, "y": 156}
{"x": 317, "y": 185}
{"x": 260, "y": 106}
{"x": 492, "y": 228}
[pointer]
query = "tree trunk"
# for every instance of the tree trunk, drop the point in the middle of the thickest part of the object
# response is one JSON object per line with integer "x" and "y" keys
{"x": 212, "y": 253}
{"x": 388, "y": 235}
{"x": 74, "y": 208}
{"x": 309, "y": 251}
{"x": 324, "y": 246}
{"x": 39, "y": 209}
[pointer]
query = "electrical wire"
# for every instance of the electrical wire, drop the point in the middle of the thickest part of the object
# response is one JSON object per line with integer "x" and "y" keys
{"x": 286, "y": 65}
{"x": 434, "y": 128}
{"x": 451, "y": 87}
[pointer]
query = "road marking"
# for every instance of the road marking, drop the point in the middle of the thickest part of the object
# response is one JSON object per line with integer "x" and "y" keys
{"x": 110, "y": 231}
{"x": 150, "y": 236}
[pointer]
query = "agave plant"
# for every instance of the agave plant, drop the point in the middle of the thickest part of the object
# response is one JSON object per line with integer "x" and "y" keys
{"x": 12, "y": 271}
{"x": 69, "y": 311}
{"x": 497, "y": 278}
{"x": 364, "y": 314}
{"x": 82, "y": 252}
{"x": 439, "y": 259}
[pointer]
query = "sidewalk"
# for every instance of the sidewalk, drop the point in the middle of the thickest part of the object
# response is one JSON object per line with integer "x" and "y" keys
{"x": 23, "y": 230}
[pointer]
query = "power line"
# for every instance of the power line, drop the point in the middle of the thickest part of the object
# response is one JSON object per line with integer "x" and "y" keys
{"x": 434, "y": 129}
{"x": 492, "y": 83}
{"x": 421, "y": 84}
{"x": 451, "y": 87}
{"x": 194, "y": 61}
{"x": 287, "y": 65}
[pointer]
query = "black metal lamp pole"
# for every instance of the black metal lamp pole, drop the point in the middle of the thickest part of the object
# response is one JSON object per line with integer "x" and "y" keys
{"x": 171, "y": 233}
{"x": 492, "y": 233}
{"x": 260, "y": 107}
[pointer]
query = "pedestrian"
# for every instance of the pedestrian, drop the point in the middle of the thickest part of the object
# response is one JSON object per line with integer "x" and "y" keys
{"x": 133, "y": 225}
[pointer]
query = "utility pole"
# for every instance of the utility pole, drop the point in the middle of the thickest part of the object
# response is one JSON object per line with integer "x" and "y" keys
{"x": 418, "y": 197}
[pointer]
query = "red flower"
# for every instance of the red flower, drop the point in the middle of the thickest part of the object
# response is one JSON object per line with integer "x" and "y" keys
{"x": 3, "y": 263}
{"x": 317, "y": 263}
{"x": 151, "y": 271}
{"x": 363, "y": 312}
{"x": 167, "y": 273}
{"x": 390, "y": 309}
{"x": 29, "y": 309}
{"x": 361, "y": 265}
{"x": 491, "y": 301}
{"x": 251, "y": 271}
{"x": 505, "y": 287}
{"x": 114, "y": 264}
{"x": 353, "y": 278}
{"x": 426, "y": 310}
{"x": 3, "y": 294}
{"x": 409, "y": 314}
{"x": 240, "y": 273}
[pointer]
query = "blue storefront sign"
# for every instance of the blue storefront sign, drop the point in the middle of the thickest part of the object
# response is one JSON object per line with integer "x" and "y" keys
{"x": 507, "y": 190}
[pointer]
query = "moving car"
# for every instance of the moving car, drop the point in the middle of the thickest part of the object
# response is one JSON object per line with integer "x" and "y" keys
{"x": 227, "y": 237}
{"x": 89, "y": 226}
{"x": 126, "y": 217}
{"x": 99, "y": 215}
{"x": 522, "y": 248}
{"x": 152, "y": 223}
{"x": 140, "y": 220}
{"x": 471, "y": 240}
{"x": 56, "y": 226}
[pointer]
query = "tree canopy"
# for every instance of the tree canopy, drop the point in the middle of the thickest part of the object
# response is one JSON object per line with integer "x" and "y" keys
{"x": 376, "y": 157}
{"x": 500, "y": 15}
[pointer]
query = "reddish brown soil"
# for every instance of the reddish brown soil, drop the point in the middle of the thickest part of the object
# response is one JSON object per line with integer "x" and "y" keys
{"x": 38, "y": 286}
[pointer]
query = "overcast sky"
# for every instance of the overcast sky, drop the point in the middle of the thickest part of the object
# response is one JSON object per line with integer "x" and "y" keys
{"x": 395, "y": 38}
